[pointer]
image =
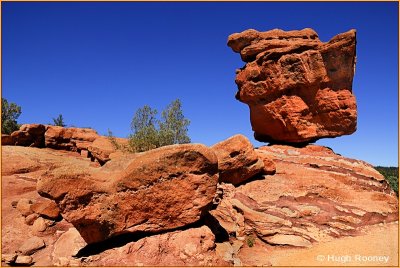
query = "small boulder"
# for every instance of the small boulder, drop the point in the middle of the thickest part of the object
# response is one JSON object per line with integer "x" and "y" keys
{"x": 237, "y": 161}
{"x": 24, "y": 206}
{"x": 68, "y": 245}
{"x": 46, "y": 208}
{"x": 24, "y": 260}
{"x": 269, "y": 164}
{"x": 102, "y": 147}
{"x": 31, "y": 245}
{"x": 30, "y": 219}
{"x": 39, "y": 225}
{"x": 8, "y": 258}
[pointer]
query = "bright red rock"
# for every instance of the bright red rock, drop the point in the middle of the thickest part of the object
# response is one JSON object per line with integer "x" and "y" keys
{"x": 298, "y": 88}
{"x": 237, "y": 161}
{"x": 158, "y": 190}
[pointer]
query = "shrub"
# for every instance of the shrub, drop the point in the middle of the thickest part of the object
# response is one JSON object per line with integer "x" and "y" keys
{"x": 391, "y": 175}
{"x": 150, "y": 133}
{"x": 250, "y": 241}
{"x": 9, "y": 115}
{"x": 59, "y": 121}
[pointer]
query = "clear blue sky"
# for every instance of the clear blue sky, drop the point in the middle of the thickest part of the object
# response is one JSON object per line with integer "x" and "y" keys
{"x": 97, "y": 63}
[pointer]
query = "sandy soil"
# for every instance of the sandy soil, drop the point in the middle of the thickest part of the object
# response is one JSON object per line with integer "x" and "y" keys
{"x": 378, "y": 246}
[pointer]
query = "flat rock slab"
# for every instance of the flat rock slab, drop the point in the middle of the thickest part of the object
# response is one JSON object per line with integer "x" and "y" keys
{"x": 31, "y": 245}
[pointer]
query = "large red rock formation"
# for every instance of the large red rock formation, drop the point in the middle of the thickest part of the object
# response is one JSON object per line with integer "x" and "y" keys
{"x": 158, "y": 190}
{"x": 315, "y": 196}
{"x": 69, "y": 138}
{"x": 298, "y": 88}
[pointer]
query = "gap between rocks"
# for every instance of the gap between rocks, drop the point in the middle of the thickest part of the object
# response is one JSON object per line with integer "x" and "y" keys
{"x": 221, "y": 235}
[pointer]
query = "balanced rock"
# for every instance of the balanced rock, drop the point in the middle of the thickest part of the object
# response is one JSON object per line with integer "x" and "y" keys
{"x": 237, "y": 161}
{"x": 159, "y": 190}
{"x": 298, "y": 88}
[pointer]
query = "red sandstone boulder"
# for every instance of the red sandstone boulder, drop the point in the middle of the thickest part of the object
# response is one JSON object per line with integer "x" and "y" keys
{"x": 298, "y": 88}
{"x": 46, "y": 208}
{"x": 7, "y": 139}
{"x": 102, "y": 147}
{"x": 159, "y": 190}
{"x": 22, "y": 138}
{"x": 237, "y": 161}
{"x": 36, "y": 131}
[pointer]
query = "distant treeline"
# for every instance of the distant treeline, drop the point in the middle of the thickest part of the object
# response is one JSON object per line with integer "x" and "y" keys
{"x": 391, "y": 175}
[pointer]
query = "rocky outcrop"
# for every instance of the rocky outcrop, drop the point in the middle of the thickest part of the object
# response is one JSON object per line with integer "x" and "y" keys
{"x": 315, "y": 196}
{"x": 237, "y": 160}
{"x": 159, "y": 190}
{"x": 71, "y": 139}
{"x": 6, "y": 139}
{"x": 298, "y": 88}
{"x": 102, "y": 148}
{"x": 85, "y": 141}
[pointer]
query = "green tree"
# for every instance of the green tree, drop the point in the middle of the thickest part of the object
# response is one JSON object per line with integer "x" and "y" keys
{"x": 174, "y": 125}
{"x": 9, "y": 115}
{"x": 150, "y": 133}
{"x": 59, "y": 121}
{"x": 145, "y": 134}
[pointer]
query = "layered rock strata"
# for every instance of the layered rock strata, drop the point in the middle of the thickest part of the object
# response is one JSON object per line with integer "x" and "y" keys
{"x": 315, "y": 196}
{"x": 298, "y": 88}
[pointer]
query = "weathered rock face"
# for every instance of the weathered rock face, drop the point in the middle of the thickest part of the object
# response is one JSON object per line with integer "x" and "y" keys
{"x": 315, "y": 196}
{"x": 237, "y": 160}
{"x": 57, "y": 137}
{"x": 6, "y": 139}
{"x": 101, "y": 148}
{"x": 298, "y": 88}
{"x": 192, "y": 247}
{"x": 161, "y": 189}
{"x": 86, "y": 141}
{"x": 36, "y": 131}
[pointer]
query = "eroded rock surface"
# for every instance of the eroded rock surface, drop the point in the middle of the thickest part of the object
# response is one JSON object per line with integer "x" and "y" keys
{"x": 192, "y": 247}
{"x": 315, "y": 196}
{"x": 298, "y": 88}
{"x": 161, "y": 189}
{"x": 316, "y": 199}
{"x": 237, "y": 160}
